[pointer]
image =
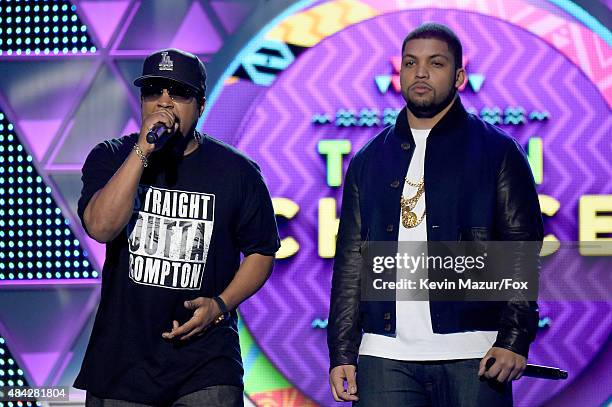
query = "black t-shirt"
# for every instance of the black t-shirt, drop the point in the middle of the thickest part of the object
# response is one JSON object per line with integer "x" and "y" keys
{"x": 192, "y": 219}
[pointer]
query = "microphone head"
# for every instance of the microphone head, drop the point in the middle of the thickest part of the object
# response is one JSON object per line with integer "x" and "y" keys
{"x": 155, "y": 133}
{"x": 151, "y": 137}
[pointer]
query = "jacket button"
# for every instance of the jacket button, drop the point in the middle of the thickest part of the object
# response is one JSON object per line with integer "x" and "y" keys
{"x": 388, "y": 327}
{"x": 405, "y": 146}
{"x": 389, "y": 228}
{"x": 387, "y": 315}
{"x": 395, "y": 184}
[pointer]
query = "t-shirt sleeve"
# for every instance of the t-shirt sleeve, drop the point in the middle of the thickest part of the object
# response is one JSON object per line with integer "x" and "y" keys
{"x": 257, "y": 231}
{"x": 98, "y": 169}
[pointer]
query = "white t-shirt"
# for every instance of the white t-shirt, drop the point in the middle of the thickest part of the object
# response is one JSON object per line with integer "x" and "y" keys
{"x": 415, "y": 339}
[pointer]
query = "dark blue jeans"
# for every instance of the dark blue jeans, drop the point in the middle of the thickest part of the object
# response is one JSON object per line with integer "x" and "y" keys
{"x": 385, "y": 383}
{"x": 214, "y": 396}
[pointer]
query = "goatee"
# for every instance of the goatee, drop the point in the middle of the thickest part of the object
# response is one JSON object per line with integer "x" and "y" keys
{"x": 166, "y": 161}
{"x": 432, "y": 109}
{"x": 175, "y": 146}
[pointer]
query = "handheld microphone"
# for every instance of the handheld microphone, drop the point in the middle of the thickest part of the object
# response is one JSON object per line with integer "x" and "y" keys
{"x": 541, "y": 372}
{"x": 155, "y": 134}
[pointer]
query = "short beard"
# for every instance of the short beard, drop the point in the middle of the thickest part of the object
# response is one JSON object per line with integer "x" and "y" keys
{"x": 176, "y": 145}
{"x": 166, "y": 161}
{"x": 432, "y": 109}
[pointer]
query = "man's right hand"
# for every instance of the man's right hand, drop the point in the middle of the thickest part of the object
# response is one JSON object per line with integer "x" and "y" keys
{"x": 164, "y": 116}
{"x": 337, "y": 377}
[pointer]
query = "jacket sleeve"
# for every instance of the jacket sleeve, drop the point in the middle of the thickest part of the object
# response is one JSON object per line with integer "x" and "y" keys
{"x": 518, "y": 219}
{"x": 344, "y": 330}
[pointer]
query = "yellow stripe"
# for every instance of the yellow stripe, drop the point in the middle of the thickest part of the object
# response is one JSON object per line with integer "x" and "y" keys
{"x": 309, "y": 27}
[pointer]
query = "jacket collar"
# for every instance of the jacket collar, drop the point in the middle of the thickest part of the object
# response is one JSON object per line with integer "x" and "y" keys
{"x": 455, "y": 115}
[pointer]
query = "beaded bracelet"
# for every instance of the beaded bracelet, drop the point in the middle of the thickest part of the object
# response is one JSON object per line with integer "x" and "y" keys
{"x": 141, "y": 155}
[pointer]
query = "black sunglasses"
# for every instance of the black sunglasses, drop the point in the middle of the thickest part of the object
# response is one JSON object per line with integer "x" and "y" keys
{"x": 177, "y": 92}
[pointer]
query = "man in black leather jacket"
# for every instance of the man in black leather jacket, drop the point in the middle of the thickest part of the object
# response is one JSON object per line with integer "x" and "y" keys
{"x": 478, "y": 186}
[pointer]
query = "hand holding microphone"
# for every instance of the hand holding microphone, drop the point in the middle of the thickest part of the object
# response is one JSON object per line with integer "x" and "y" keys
{"x": 155, "y": 134}
{"x": 163, "y": 128}
{"x": 541, "y": 372}
{"x": 156, "y": 129}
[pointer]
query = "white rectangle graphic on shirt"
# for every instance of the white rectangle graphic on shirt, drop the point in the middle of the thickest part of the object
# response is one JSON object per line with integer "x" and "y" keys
{"x": 169, "y": 237}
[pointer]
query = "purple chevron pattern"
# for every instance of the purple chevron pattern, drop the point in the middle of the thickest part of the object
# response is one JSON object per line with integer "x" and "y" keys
{"x": 577, "y": 150}
{"x": 585, "y": 48}
{"x": 522, "y": 70}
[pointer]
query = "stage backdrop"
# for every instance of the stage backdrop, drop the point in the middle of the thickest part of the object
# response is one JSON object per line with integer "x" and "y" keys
{"x": 301, "y": 97}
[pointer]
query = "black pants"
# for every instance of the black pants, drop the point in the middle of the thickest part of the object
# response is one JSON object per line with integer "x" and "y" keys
{"x": 214, "y": 396}
{"x": 385, "y": 383}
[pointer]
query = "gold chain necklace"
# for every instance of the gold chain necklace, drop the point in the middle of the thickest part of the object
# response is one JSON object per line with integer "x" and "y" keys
{"x": 409, "y": 218}
{"x": 415, "y": 184}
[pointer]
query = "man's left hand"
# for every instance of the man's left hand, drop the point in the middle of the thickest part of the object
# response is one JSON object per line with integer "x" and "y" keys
{"x": 205, "y": 310}
{"x": 508, "y": 365}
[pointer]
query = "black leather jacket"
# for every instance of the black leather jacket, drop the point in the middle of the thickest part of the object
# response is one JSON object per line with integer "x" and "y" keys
{"x": 478, "y": 186}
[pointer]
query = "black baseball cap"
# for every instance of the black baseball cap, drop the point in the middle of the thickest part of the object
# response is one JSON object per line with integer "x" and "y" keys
{"x": 176, "y": 65}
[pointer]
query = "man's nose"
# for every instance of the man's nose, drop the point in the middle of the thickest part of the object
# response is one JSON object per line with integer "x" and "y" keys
{"x": 165, "y": 100}
{"x": 421, "y": 71}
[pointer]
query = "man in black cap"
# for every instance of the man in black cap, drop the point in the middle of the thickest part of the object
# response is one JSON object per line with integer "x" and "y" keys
{"x": 175, "y": 215}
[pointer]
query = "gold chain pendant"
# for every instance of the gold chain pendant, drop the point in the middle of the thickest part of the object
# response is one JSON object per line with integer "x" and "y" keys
{"x": 409, "y": 218}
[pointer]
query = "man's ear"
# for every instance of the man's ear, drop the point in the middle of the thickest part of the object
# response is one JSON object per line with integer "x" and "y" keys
{"x": 202, "y": 106}
{"x": 459, "y": 77}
